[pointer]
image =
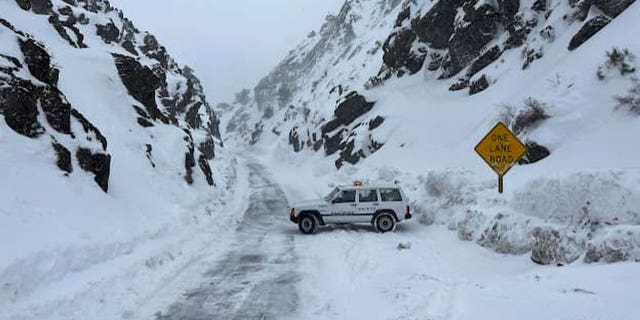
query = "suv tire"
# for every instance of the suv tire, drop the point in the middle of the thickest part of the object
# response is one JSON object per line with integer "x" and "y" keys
{"x": 384, "y": 222}
{"x": 307, "y": 224}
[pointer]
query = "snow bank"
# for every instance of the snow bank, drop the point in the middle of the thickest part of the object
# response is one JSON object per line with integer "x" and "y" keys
{"x": 621, "y": 243}
{"x": 604, "y": 196}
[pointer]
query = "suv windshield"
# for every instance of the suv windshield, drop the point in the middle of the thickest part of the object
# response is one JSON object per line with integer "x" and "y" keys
{"x": 332, "y": 194}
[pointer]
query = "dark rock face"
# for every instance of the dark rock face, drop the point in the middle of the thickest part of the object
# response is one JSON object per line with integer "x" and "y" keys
{"x": 109, "y": 32}
{"x": 189, "y": 158}
{"x": 352, "y": 107}
{"x": 479, "y": 85}
{"x": 397, "y": 52}
{"x": 540, "y": 5}
{"x": 40, "y": 6}
{"x": 530, "y": 56}
{"x": 39, "y": 62}
{"x": 141, "y": 83}
{"x": 24, "y": 4}
{"x": 376, "y": 122}
{"x": 89, "y": 128}
{"x": 207, "y": 148}
{"x": 588, "y": 30}
{"x": 64, "y": 157}
{"x": 332, "y": 143}
{"x": 294, "y": 140}
{"x": 468, "y": 41}
{"x": 612, "y": 8}
{"x": 62, "y": 27}
{"x": 484, "y": 60}
{"x": 206, "y": 169}
{"x": 99, "y": 164}
{"x": 535, "y": 153}
{"x": 436, "y": 27}
{"x": 509, "y": 8}
{"x": 18, "y": 104}
{"x": 459, "y": 85}
{"x": 56, "y": 109}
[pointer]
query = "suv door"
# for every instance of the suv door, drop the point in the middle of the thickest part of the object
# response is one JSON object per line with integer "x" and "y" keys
{"x": 343, "y": 207}
{"x": 368, "y": 204}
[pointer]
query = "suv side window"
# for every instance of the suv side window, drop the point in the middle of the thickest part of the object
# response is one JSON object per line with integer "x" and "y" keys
{"x": 367, "y": 195}
{"x": 390, "y": 194}
{"x": 345, "y": 196}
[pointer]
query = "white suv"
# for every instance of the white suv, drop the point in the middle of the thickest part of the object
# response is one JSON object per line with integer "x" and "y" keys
{"x": 383, "y": 207}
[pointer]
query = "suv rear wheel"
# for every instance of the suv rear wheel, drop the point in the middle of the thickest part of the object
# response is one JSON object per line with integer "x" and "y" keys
{"x": 384, "y": 222}
{"x": 307, "y": 224}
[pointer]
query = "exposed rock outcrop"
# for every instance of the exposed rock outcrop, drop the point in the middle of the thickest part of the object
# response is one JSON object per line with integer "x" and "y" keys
{"x": 588, "y": 30}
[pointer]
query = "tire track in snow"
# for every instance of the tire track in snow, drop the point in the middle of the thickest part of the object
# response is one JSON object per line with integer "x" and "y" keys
{"x": 257, "y": 278}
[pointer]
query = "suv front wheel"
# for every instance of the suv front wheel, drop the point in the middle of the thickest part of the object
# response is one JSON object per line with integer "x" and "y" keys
{"x": 307, "y": 224}
{"x": 384, "y": 222}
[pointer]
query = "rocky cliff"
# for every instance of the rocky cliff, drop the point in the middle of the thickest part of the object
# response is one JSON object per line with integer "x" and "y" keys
{"x": 41, "y": 38}
{"x": 466, "y": 45}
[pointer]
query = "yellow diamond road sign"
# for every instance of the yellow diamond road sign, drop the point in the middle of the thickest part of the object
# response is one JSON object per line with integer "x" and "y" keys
{"x": 501, "y": 149}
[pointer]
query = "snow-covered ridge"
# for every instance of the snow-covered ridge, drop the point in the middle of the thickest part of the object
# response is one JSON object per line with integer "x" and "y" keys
{"x": 107, "y": 146}
{"x": 417, "y": 84}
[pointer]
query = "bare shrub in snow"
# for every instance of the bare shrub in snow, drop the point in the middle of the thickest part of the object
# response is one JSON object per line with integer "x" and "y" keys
{"x": 616, "y": 244}
{"x": 631, "y": 101}
{"x": 556, "y": 245}
{"x": 620, "y": 60}
{"x": 530, "y": 116}
{"x": 526, "y": 118}
{"x": 470, "y": 225}
{"x": 511, "y": 234}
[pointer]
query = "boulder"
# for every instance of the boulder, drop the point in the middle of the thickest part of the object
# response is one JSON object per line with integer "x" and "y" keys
{"x": 535, "y": 153}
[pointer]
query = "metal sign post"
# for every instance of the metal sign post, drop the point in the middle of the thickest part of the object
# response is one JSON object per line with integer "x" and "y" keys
{"x": 501, "y": 150}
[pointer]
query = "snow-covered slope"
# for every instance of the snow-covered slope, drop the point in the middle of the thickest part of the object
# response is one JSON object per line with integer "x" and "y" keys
{"x": 106, "y": 144}
{"x": 404, "y": 91}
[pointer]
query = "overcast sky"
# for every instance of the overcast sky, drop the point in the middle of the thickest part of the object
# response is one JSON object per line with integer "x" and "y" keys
{"x": 230, "y": 44}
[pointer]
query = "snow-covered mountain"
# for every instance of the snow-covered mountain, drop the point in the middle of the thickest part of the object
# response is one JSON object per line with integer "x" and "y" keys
{"x": 105, "y": 141}
{"x": 403, "y": 90}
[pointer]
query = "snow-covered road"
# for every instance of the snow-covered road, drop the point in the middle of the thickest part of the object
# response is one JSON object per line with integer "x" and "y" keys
{"x": 257, "y": 278}
{"x": 350, "y": 272}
